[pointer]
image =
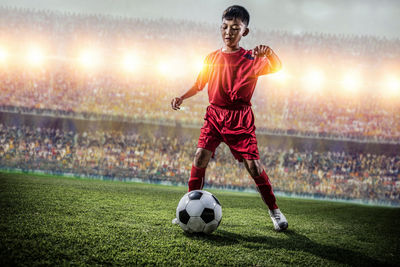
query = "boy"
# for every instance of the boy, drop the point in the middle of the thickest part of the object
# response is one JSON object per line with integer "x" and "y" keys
{"x": 231, "y": 73}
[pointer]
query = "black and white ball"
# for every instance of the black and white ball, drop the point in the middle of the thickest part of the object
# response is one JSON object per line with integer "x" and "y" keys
{"x": 199, "y": 211}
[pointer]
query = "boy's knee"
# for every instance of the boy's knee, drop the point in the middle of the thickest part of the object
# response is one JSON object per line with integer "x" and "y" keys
{"x": 255, "y": 171}
{"x": 254, "y": 167}
{"x": 201, "y": 158}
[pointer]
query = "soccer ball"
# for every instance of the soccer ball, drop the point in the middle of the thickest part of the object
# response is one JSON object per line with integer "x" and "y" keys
{"x": 199, "y": 211}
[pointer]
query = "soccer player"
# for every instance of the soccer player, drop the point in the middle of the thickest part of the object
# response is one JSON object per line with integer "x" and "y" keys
{"x": 231, "y": 73}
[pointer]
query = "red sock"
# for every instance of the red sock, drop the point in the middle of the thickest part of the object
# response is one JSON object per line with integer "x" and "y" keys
{"x": 196, "y": 180}
{"x": 265, "y": 189}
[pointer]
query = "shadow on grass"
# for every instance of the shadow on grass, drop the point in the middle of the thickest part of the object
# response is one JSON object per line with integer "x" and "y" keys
{"x": 296, "y": 242}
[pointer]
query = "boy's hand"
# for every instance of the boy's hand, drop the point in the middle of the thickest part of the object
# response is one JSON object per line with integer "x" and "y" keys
{"x": 262, "y": 51}
{"x": 176, "y": 102}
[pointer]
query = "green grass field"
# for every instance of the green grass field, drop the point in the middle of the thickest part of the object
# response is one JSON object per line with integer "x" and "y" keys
{"x": 47, "y": 220}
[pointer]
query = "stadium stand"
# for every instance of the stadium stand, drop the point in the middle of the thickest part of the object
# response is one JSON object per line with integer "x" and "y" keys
{"x": 61, "y": 87}
{"x": 369, "y": 177}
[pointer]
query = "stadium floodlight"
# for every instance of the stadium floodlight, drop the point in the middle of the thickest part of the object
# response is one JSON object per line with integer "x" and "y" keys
{"x": 35, "y": 56}
{"x": 313, "y": 79}
{"x": 351, "y": 81}
{"x": 89, "y": 58}
{"x": 130, "y": 62}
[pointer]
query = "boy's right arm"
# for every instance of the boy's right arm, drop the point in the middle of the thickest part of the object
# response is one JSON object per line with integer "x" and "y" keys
{"x": 201, "y": 81}
{"x": 177, "y": 101}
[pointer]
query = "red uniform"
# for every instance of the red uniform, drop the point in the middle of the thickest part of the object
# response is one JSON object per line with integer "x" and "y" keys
{"x": 231, "y": 79}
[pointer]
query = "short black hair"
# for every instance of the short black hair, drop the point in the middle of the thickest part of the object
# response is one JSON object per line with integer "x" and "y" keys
{"x": 237, "y": 12}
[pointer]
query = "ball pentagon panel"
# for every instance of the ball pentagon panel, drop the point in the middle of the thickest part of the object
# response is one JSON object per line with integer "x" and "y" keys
{"x": 196, "y": 194}
{"x": 183, "y": 216}
{"x": 207, "y": 215}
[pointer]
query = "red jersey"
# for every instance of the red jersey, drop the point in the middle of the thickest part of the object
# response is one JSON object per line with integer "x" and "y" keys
{"x": 231, "y": 77}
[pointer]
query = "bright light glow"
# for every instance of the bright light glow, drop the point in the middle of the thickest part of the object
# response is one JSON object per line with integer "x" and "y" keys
{"x": 177, "y": 68}
{"x": 351, "y": 81}
{"x": 198, "y": 64}
{"x": 89, "y": 58}
{"x": 164, "y": 68}
{"x": 171, "y": 68}
{"x": 280, "y": 76}
{"x": 313, "y": 79}
{"x": 393, "y": 84}
{"x": 130, "y": 62}
{"x": 3, "y": 55}
{"x": 35, "y": 56}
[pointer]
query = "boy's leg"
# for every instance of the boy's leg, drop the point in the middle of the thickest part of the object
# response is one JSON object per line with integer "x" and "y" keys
{"x": 209, "y": 140}
{"x": 200, "y": 162}
{"x": 264, "y": 187}
{"x": 262, "y": 181}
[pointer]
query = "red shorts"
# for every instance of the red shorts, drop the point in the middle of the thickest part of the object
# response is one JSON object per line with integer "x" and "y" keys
{"x": 235, "y": 127}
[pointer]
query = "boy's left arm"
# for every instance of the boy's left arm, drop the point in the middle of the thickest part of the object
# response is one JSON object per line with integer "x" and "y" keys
{"x": 266, "y": 51}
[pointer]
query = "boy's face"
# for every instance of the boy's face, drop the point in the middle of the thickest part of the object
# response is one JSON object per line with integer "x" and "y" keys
{"x": 232, "y": 31}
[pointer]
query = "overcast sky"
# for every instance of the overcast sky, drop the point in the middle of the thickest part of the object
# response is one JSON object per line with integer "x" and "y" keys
{"x": 360, "y": 17}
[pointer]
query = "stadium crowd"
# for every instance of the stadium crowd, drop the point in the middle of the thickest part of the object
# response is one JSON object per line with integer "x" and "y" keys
{"x": 365, "y": 118}
{"x": 60, "y": 87}
{"x": 63, "y": 89}
{"x": 118, "y": 155}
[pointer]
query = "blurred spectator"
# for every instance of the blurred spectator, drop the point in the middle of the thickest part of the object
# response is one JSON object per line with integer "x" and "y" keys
{"x": 339, "y": 175}
{"x": 61, "y": 88}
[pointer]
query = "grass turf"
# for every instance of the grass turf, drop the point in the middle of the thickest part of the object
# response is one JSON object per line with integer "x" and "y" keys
{"x": 47, "y": 220}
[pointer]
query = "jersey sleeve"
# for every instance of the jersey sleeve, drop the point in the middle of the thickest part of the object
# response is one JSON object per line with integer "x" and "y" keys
{"x": 203, "y": 77}
{"x": 262, "y": 66}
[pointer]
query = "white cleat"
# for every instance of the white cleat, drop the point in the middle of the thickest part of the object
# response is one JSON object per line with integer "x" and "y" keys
{"x": 279, "y": 220}
{"x": 175, "y": 221}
